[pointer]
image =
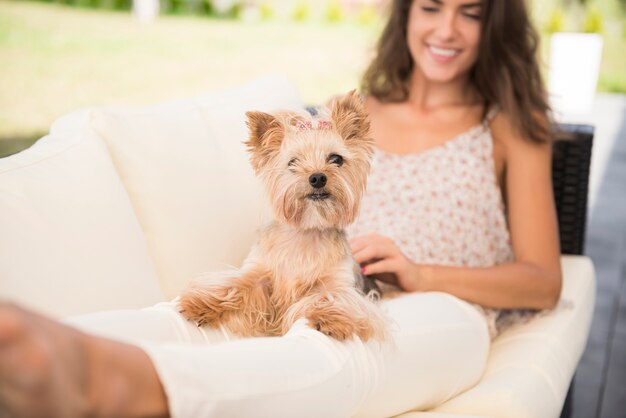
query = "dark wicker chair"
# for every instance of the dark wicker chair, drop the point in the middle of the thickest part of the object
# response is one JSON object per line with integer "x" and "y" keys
{"x": 570, "y": 175}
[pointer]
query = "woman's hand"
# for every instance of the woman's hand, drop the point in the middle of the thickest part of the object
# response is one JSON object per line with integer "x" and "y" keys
{"x": 381, "y": 258}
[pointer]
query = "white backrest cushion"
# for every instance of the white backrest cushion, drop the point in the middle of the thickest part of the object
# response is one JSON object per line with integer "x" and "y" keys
{"x": 69, "y": 240}
{"x": 188, "y": 176}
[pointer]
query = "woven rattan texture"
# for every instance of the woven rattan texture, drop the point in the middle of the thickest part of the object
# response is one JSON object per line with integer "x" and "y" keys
{"x": 570, "y": 174}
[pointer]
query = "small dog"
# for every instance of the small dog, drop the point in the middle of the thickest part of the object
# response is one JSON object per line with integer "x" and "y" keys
{"x": 314, "y": 170}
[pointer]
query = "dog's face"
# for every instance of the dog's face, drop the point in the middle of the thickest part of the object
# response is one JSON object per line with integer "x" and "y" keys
{"x": 314, "y": 170}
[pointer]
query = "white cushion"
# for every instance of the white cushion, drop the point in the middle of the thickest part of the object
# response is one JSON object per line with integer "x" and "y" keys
{"x": 530, "y": 366}
{"x": 70, "y": 242}
{"x": 188, "y": 176}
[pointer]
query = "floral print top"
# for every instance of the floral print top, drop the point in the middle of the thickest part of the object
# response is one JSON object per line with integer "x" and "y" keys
{"x": 442, "y": 206}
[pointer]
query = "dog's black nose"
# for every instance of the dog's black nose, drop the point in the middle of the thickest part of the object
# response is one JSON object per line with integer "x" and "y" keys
{"x": 318, "y": 180}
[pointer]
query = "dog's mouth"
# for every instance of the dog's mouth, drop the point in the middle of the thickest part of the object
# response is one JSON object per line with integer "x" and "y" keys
{"x": 318, "y": 196}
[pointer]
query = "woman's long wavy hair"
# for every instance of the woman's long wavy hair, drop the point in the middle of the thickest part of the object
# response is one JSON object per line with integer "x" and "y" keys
{"x": 506, "y": 72}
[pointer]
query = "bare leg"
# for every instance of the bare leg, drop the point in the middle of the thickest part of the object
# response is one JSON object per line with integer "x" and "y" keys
{"x": 50, "y": 370}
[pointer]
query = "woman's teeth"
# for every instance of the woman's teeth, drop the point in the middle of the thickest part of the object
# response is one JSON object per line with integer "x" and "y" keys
{"x": 443, "y": 51}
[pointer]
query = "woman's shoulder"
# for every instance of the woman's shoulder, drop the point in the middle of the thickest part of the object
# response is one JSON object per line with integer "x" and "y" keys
{"x": 514, "y": 149}
{"x": 501, "y": 127}
{"x": 506, "y": 132}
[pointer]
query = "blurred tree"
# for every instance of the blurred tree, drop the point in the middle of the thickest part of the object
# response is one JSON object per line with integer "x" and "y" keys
{"x": 594, "y": 23}
{"x": 556, "y": 21}
{"x": 334, "y": 12}
{"x": 301, "y": 12}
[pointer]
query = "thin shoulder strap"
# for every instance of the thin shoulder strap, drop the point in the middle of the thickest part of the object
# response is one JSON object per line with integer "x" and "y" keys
{"x": 493, "y": 111}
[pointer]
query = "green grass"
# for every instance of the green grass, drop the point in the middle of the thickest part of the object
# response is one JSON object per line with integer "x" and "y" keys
{"x": 56, "y": 58}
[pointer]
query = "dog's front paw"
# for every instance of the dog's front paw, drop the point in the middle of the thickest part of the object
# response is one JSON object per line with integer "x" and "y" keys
{"x": 341, "y": 331}
{"x": 207, "y": 305}
{"x": 334, "y": 322}
{"x": 338, "y": 331}
{"x": 347, "y": 314}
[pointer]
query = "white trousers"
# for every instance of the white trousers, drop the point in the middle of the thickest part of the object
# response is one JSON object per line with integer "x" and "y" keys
{"x": 438, "y": 348}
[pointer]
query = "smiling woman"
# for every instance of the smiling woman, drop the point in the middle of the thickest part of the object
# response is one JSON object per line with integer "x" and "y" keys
{"x": 491, "y": 43}
{"x": 456, "y": 99}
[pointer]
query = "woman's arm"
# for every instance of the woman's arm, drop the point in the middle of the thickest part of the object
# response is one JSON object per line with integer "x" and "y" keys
{"x": 510, "y": 285}
{"x": 533, "y": 280}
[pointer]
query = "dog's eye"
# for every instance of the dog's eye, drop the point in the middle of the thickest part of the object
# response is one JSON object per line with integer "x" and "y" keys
{"x": 292, "y": 162}
{"x": 336, "y": 159}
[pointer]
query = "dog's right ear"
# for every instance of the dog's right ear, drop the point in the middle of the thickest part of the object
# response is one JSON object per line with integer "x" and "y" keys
{"x": 266, "y": 133}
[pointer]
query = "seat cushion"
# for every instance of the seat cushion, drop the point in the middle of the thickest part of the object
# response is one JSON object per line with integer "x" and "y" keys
{"x": 187, "y": 173}
{"x": 70, "y": 241}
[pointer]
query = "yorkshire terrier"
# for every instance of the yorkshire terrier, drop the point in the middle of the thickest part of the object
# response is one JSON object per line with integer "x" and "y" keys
{"x": 314, "y": 170}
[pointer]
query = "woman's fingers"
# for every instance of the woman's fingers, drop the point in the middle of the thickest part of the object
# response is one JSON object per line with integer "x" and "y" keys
{"x": 358, "y": 243}
{"x": 387, "y": 265}
{"x": 375, "y": 246}
{"x": 366, "y": 255}
{"x": 379, "y": 256}
{"x": 375, "y": 252}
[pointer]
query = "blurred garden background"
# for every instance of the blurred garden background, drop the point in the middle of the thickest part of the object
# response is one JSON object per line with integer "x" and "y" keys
{"x": 57, "y": 56}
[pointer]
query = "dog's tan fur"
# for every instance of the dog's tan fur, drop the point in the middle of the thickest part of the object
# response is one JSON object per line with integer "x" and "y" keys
{"x": 301, "y": 266}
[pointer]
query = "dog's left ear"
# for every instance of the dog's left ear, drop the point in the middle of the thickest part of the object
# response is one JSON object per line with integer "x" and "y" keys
{"x": 262, "y": 129}
{"x": 349, "y": 117}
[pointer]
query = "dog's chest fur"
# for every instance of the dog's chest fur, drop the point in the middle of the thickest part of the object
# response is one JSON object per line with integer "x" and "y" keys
{"x": 313, "y": 254}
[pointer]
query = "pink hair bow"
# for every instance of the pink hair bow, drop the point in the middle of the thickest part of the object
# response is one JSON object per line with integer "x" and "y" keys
{"x": 308, "y": 125}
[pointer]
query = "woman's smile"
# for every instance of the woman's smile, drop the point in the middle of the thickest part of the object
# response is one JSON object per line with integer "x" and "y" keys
{"x": 443, "y": 54}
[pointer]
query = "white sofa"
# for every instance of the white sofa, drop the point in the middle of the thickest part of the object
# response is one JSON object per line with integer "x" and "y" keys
{"x": 119, "y": 208}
